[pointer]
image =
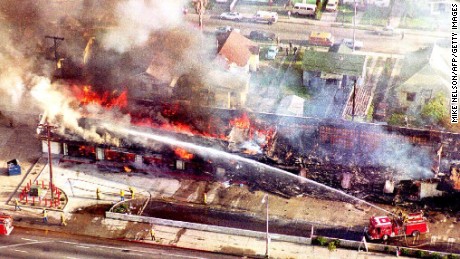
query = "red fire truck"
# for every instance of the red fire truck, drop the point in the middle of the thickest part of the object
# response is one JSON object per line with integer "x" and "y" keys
{"x": 6, "y": 224}
{"x": 383, "y": 227}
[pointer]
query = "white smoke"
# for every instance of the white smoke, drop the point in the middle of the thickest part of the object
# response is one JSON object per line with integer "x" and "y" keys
{"x": 12, "y": 85}
{"x": 58, "y": 106}
{"x": 137, "y": 19}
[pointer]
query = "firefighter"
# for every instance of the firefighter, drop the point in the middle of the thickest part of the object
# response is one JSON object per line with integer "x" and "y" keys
{"x": 63, "y": 220}
{"x": 45, "y": 216}
{"x": 205, "y": 198}
{"x": 16, "y": 205}
{"x": 131, "y": 190}
{"x": 98, "y": 193}
{"x": 152, "y": 234}
{"x": 122, "y": 195}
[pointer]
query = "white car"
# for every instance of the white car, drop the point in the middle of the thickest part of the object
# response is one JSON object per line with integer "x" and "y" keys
{"x": 387, "y": 31}
{"x": 233, "y": 16}
{"x": 349, "y": 43}
{"x": 271, "y": 52}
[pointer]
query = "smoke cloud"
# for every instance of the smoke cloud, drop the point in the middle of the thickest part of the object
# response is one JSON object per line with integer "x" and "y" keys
{"x": 136, "y": 20}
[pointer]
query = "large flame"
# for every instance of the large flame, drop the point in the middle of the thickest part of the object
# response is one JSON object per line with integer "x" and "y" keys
{"x": 182, "y": 153}
{"x": 86, "y": 96}
{"x": 243, "y": 122}
{"x": 177, "y": 127}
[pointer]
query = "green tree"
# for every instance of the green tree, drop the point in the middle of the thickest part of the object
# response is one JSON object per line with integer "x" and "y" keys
{"x": 436, "y": 110}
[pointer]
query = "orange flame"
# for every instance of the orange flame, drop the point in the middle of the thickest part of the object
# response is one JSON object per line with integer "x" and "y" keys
{"x": 182, "y": 153}
{"x": 107, "y": 100}
{"x": 127, "y": 169}
{"x": 177, "y": 127}
{"x": 243, "y": 122}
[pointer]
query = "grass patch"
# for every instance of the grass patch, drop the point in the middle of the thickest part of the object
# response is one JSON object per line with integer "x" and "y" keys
{"x": 420, "y": 23}
{"x": 296, "y": 90}
{"x": 293, "y": 81}
{"x": 377, "y": 16}
{"x": 417, "y": 16}
{"x": 345, "y": 15}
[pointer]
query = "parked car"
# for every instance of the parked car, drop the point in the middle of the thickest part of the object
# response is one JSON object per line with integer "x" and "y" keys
{"x": 271, "y": 52}
{"x": 349, "y": 43}
{"x": 304, "y": 9}
{"x": 225, "y": 29}
{"x": 265, "y": 17}
{"x": 331, "y": 5}
{"x": 324, "y": 39}
{"x": 387, "y": 31}
{"x": 233, "y": 16}
{"x": 262, "y": 35}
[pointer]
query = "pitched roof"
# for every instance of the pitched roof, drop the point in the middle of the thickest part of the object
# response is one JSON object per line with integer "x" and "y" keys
{"x": 432, "y": 66}
{"x": 334, "y": 63}
{"x": 238, "y": 49}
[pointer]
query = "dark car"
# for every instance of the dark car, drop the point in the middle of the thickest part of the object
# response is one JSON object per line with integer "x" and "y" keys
{"x": 262, "y": 35}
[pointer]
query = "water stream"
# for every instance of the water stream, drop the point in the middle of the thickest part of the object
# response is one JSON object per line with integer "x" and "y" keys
{"x": 211, "y": 152}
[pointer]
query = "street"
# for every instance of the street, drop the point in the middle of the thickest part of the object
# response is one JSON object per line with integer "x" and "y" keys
{"x": 28, "y": 243}
{"x": 297, "y": 30}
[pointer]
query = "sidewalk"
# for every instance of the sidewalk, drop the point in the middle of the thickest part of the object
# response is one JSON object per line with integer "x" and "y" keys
{"x": 184, "y": 238}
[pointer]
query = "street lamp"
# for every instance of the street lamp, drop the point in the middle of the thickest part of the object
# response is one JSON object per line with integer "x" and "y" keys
{"x": 267, "y": 237}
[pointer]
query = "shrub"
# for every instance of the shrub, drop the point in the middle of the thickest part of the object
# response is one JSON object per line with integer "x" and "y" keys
{"x": 331, "y": 246}
{"x": 419, "y": 253}
{"x": 386, "y": 249}
{"x": 435, "y": 256}
{"x": 121, "y": 209}
{"x": 452, "y": 256}
{"x": 337, "y": 242}
{"x": 397, "y": 119}
{"x": 404, "y": 251}
{"x": 322, "y": 241}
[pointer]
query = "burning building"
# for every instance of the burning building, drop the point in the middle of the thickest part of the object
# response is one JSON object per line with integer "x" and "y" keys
{"x": 146, "y": 74}
{"x": 356, "y": 157}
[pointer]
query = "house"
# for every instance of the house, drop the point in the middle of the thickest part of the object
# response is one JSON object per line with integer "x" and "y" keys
{"x": 238, "y": 52}
{"x": 332, "y": 68}
{"x": 425, "y": 74}
{"x": 330, "y": 77}
{"x": 438, "y": 6}
{"x": 229, "y": 89}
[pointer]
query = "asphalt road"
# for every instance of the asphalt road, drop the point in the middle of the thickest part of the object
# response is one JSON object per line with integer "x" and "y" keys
{"x": 222, "y": 218}
{"x": 297, "y": 30}
{"x": 27, "y": 243}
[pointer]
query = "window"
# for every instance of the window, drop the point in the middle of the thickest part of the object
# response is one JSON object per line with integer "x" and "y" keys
{"x": 180, "y": 165}
{"x": 426, "y": 95}
{"x": 410, "y": 97}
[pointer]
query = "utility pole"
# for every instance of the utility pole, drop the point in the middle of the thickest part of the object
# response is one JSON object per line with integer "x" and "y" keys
{"x": 50, "y": 162}
{"x": 267, "y": 236}
{"x": 353, "y": 99}
{"x": 55, "y": 39}
{"x": 354, "y": 27}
